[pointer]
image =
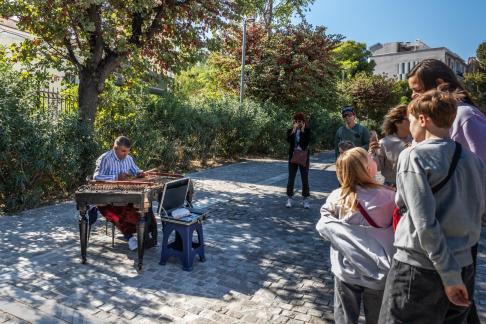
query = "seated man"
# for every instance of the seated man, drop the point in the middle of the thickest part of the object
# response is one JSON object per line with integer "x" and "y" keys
{"x": 117, "y": 164}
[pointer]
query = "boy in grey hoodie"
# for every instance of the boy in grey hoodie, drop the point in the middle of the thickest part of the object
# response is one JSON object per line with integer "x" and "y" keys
{"x": 431, "y": 279}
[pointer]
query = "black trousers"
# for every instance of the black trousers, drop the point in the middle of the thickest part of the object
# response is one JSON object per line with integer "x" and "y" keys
{"x": 304, "y": 176}
{"x": 416, "y": 295}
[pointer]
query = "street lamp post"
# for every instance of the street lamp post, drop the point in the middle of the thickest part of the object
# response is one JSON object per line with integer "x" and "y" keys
{"x": 243, "y": 59}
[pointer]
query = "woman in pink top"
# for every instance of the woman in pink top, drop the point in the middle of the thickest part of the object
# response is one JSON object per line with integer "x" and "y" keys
{"x": 469, "y": 125}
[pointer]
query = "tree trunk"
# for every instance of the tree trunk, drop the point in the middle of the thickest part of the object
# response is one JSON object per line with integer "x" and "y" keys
{"x": 90, "y": 85}
{"x": 268, "y": 16}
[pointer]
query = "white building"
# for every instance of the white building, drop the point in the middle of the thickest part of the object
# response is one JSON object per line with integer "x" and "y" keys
{"x": 397, "y": 59}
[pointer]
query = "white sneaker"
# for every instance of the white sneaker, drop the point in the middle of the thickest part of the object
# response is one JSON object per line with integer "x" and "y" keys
{"x": 132, "y": 243}
{"x": 306, "y": 203}
{"x": 289, "y": 203}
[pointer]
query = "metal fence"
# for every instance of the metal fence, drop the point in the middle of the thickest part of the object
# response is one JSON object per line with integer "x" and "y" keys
{"x": 55, "y": 103}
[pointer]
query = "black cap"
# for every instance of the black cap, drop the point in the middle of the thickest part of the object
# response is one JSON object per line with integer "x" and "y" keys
{"x": 347, "y": 109}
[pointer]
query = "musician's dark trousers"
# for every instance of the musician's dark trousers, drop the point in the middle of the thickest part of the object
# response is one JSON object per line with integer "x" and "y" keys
{"x": 304, "y": 176}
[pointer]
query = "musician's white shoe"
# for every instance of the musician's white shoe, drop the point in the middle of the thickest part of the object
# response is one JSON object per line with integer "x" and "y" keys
{"x": 132, "y": 243}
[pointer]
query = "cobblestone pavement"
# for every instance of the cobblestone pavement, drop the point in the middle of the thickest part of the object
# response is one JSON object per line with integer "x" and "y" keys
{"x": 264, "y": 263}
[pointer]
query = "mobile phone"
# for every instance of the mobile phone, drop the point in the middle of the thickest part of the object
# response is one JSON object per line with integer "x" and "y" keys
{"x": 373, "y": 136}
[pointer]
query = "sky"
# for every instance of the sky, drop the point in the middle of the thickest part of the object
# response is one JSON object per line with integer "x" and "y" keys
{"x": 458, "y": 25}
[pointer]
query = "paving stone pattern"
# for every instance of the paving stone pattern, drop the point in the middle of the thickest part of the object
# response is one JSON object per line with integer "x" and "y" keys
{"x": 264, "y": 263}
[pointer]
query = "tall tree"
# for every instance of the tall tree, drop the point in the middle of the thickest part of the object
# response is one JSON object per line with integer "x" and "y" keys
{"x": 481, "y": 54}
{"x": 94, "y": 37}
{"x": 371, "y": 95}
{"x": 292, "y": 68}
{"x": 353, "y": 57}
{"x": 276, "y": 13}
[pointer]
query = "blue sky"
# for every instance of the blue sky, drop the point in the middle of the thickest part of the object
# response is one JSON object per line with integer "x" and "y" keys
{"x": 457, "y": 25}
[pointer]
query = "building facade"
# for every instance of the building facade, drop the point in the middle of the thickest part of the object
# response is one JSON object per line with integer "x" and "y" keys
{"x": 397, "y": 59}
{"x": 10, "y": 34}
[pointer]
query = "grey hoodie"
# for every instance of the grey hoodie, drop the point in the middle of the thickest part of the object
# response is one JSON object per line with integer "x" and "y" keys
{"x": 437, "y": 231}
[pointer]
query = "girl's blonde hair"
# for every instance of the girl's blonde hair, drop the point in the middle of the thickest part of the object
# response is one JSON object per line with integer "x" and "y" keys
{"x": 351, "y": 171}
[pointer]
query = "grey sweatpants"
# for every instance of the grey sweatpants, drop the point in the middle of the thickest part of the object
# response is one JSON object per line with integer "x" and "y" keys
{"x": 347, "y": 303}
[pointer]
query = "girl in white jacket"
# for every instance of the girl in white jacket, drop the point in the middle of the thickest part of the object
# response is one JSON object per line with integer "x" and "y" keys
{"x": 357, "y": 220}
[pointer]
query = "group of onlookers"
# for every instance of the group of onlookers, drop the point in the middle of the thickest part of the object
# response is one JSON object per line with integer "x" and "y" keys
{"x": 406, "y": 249}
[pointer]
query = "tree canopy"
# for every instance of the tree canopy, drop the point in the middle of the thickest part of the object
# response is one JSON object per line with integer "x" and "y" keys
{"x": 276, "y": 13}
{"x": 371, "y": 95}
{"x": 475, "y": 81}
{"x": 352, "y": 58}
{"x": 95, "y": 37}
{"x": 292, "y": 68}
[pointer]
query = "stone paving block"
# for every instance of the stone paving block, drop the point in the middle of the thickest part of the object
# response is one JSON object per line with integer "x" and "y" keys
{"x": 300, "y": 309}
{"x": 288, "y": 313}
{"x": 302, "y": 317}
{"x": 284, "y": 306}
{"x": 319, "y": 320}
{"x": 297, "y": 302}
{"x": 202, "y": 320}
{"x": 106, "y": 307}
{"x": 279, "y": 319}
{"x": 214, "y": 316}
{"x": 315, "y": 312}
{"x": 294, "y": 321}
{"x": 234, "y": 314}
{"x": 28, "y": 314}
{"x": 128, "y": 314}
{"x": 5, "y": 317}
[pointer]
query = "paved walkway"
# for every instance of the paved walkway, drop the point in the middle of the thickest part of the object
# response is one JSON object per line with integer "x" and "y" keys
{"x": 265, "y": 263}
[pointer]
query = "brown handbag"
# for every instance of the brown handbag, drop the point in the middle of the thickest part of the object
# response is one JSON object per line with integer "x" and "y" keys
{"x": 299, "y": 157}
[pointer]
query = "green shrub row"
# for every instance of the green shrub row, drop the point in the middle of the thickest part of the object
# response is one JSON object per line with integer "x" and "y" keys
{"x": 39, "y": 157}
{"x": 44, "y": 158}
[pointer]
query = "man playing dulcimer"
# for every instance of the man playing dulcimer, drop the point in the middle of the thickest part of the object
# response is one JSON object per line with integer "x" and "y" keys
{"x": 118, "y": 165}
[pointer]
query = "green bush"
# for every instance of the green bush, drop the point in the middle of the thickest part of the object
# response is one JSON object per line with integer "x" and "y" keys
{"x": 171, "y": 132}
{"x": 20, "y": 141}
{"x": 40, "y": 157}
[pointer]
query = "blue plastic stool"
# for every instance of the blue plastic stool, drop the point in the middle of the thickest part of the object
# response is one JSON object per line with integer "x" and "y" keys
{"x": 182, "y": 247}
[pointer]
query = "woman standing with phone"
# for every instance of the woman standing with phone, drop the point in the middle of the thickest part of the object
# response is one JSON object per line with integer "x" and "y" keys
{"x": 298, "y": 137}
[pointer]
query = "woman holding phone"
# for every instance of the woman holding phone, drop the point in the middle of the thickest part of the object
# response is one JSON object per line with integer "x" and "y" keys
{"x": 298, "y": 138}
